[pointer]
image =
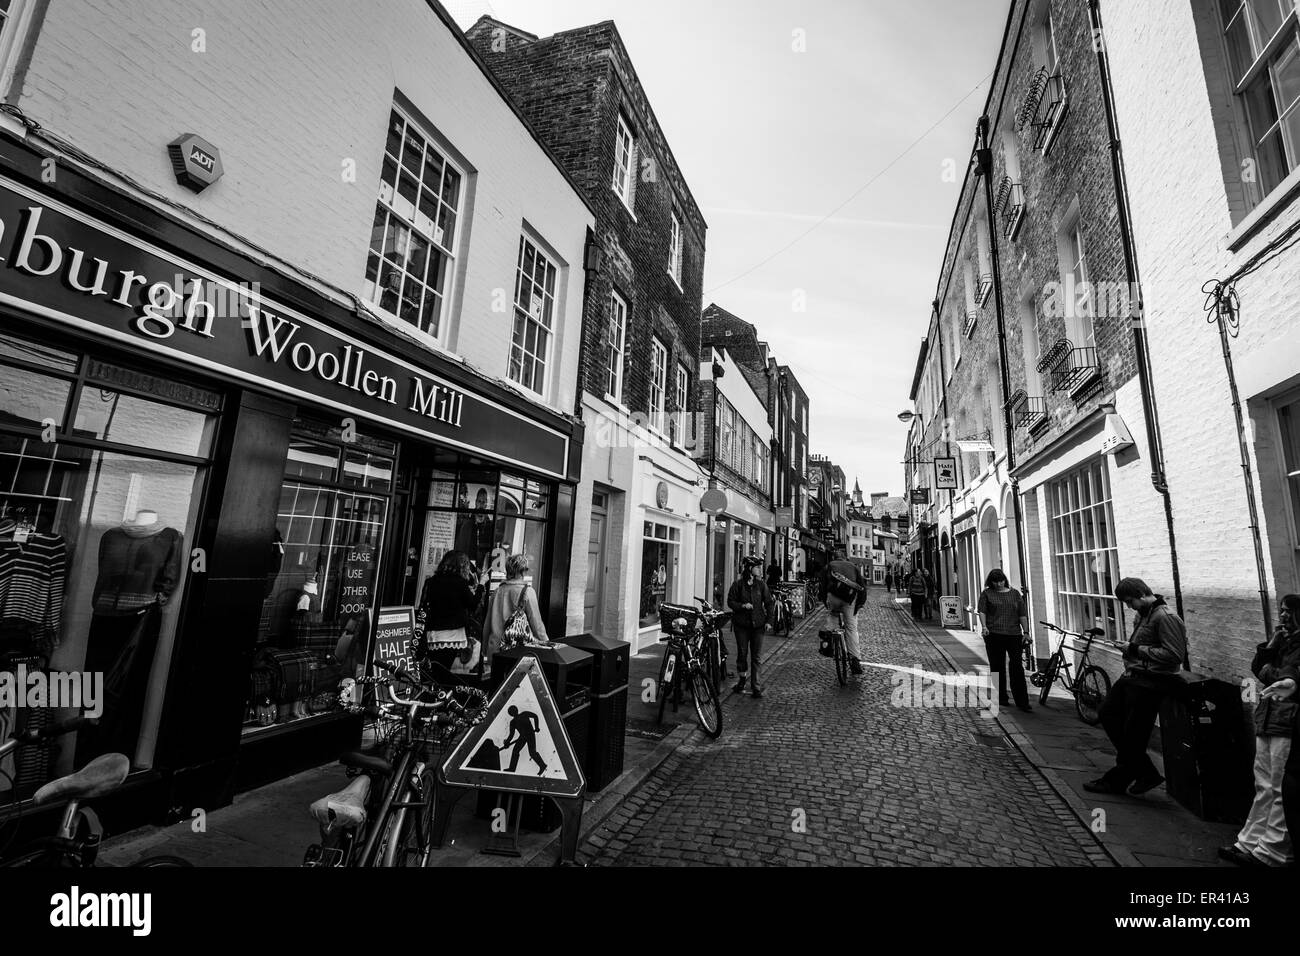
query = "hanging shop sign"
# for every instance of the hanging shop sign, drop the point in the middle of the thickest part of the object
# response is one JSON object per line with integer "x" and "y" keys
{"x": 713, "y": 501}
{"x": 920, "y": 496}
{"x": 945, "y": 473}
{"x": 65, "y": 266}
{"x": 785, "y": 516}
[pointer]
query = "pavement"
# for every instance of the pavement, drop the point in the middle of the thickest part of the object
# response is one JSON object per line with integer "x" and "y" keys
{"x": 811, "y": 774}
{"x": 815, "y": 774}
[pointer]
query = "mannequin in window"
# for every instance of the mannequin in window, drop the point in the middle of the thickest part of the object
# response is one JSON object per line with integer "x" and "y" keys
{"x": 139, "y": 568}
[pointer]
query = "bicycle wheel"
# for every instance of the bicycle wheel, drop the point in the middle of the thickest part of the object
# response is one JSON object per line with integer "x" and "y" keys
{"x": 841, "y": 662}
{"x": 707, "y": 708}
{"x": 1049, "y": 678}
{"x": 1089, "y": 693}
{"x": 152, "y": 861}
{"x": 390, "y": 843}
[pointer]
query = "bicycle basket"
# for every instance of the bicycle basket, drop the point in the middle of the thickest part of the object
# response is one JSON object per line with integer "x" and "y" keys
{"x": 677, "y": 618}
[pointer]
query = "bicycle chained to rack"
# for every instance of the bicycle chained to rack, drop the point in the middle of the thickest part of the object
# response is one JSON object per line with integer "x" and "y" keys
{"x": 384, "y": 817}
{"x": 686, "y": 664}
{"x": 77, "y": 839}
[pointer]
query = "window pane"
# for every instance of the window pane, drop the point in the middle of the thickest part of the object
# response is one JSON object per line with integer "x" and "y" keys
{"x": 313, "y": 460}
{"x": 34, "y": 354}
{"x": 29, "y": 398}
{"x": 128, "y": 420}
{"x": 367, "y": 471}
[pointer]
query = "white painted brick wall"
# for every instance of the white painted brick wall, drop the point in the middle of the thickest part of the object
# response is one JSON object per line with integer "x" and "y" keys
{"x": 289, "y": 90}
{"x": 1182, "y": 213}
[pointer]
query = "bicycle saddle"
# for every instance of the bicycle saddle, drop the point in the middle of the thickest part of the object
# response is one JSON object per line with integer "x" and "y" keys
{"x": 95, "y": 779}
{"x": 1095, "y": 632}
{"x": 347, "y": 808}
{"x": 366, "y": 763}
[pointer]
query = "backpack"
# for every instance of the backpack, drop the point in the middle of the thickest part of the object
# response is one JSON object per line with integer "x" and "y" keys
{"x": 517, "y": 630}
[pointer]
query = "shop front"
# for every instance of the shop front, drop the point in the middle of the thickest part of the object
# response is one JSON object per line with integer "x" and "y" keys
{"x": 211, "y": 480}
{"x": 969, "y": 583}
{"x": 670, "y": 524}
{"x": 743, "y": 528}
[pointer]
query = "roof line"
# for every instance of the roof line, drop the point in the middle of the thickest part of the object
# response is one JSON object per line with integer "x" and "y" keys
{"x": 474, "y": 55}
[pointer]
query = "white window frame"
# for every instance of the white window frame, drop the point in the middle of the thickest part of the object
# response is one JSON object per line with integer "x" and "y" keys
{"x": 1074, "y": 542}
{"x": 531, "y": 358}
{"x": 616, "y": 347}
{"x": 387, "y": 205}
{"x": 675, "y": 250}
{"x": 624, "y": 176}
{"x": 12, "y": 23}
{"x": 683, "y": 387}
{"x": 1266, "y": 53}
{"x": 1290, "y": 509}
{"x": 658, "y": 382}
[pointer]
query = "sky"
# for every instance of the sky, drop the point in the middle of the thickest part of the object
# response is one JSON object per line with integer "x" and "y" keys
{"x": 814, "y": 135}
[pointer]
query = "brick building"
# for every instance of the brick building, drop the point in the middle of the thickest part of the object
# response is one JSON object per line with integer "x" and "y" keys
{"x": 303, "y": 357}
{"x": 1210, "y": 193}
{"x": 788, "y": 411}
{"x": 1027, "y": 379}
{"x": 638, "y": 521}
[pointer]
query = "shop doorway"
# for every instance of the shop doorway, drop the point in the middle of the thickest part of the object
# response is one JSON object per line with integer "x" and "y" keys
{"x": 593, "y": 608}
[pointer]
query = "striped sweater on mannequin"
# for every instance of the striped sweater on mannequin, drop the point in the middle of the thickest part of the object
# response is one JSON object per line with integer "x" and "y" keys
{"x": 32, "y": 580}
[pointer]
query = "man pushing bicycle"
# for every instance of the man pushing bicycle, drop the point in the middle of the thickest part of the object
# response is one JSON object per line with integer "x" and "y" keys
{"x": 844, "y": 591}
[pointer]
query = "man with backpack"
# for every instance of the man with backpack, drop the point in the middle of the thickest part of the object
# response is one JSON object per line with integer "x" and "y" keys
{"x": 844, "y": 591}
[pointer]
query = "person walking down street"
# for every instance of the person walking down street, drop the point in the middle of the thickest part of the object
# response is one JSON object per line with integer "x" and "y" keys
{"x": 1152, "y": 660}
{"x": 1004, "y": 620}
{"x": 928, "y": 610}
{"x": 1266, "y": 838}
{"x": 751, "y": 606}
{"x": 916, "y": 590}
{"x": 889, "y": 581}
{"x": 773, "y": 573}
{"x": 504, "y": 601}
{"x": 844, "y": 591}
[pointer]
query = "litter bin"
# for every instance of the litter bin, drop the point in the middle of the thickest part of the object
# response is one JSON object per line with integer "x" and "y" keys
{"x": 607, "y": 723}
{"x": 1207, "y": 748}
{"x": 568, "y": 675}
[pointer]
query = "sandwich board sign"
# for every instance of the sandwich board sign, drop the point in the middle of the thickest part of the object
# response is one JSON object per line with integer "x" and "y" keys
{"x": 520, "y": 745}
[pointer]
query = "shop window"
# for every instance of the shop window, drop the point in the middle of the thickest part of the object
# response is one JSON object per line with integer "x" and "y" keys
{"x": 95, "y": 546}
{"x": 488, "y": 515}
{"x": 321, "y": 590}
{"x": 413, "y": 239}
{"x": 720, "y": 580}
{"x": 660, "y": 569}
{"x": 1085, "y": 556}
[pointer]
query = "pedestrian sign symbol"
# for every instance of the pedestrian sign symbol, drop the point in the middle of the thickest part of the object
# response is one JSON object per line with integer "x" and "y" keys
{"x": 520, "y": 745}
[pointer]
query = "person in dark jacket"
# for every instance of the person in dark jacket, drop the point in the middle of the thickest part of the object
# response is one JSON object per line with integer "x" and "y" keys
{"x": 1004, "y": 621}
{"x": 1152, "y": 661}
{"x": 844, "y": 590}
{"x": 773, "y": 573}
{"x": 889, "y": 580}
{"x": 449, "y": 598}
{"x": 751, "y": 608}
{"x": 917, "y": 590}
{"x": 1265, "y": 838}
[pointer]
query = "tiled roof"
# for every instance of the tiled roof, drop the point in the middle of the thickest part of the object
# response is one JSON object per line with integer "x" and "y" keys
{"x": 895, "y": 507}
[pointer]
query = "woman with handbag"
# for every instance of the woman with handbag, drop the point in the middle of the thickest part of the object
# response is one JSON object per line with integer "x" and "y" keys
{"x": 514, "y": 617}
{"x": 449, "y": 599}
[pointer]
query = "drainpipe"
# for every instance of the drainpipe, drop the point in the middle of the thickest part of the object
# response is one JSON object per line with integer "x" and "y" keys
{"x": 984, "y": 165}
{"x": 947, "y": 449}
{"x": 1155, "y": 450}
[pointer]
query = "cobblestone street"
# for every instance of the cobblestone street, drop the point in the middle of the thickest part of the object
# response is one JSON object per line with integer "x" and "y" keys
{"x": 815, "y": 774}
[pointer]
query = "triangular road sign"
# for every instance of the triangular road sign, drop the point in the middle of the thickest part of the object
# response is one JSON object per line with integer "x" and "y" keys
{"x": 520, "y": 745}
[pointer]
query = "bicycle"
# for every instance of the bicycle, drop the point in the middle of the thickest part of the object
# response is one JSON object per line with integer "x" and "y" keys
{"x": 685, "y": 665}
{"x": 713, "y": 647}
{"x": 384, "y": 817}
{"x": 782, "y": 610}
{"x": 79, "y": 835}
{"x": 832, "y": 646}
{"x": 1091, "y": 685}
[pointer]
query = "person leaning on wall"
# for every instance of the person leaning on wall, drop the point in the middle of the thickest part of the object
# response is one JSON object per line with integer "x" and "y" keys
{"x": 1152, "y": 661}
